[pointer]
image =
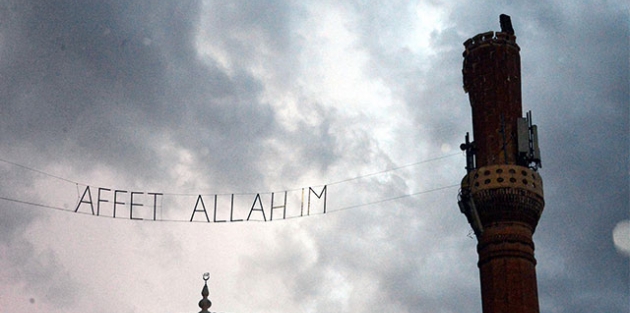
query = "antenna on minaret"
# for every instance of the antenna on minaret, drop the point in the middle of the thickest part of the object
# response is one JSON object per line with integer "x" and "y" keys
{"x": 527, "y": 140}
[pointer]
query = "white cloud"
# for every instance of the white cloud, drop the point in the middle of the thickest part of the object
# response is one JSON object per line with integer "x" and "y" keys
{"x": 621, "y": 237}
{"x": 430, "y": 19}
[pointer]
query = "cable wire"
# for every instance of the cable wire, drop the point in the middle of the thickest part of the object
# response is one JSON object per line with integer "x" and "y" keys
{"x": 392, "y": 169}
{"x": 40, "y": 172}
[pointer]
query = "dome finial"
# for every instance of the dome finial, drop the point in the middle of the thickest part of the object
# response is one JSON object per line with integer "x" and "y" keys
{"x": 205, "y": 304}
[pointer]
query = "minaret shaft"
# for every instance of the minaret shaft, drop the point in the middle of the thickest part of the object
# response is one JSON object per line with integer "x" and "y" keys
{"x": 507, "y": 269}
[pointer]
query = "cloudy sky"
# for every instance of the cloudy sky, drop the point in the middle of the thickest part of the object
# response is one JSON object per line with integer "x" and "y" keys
{"x": 244, "y": 97}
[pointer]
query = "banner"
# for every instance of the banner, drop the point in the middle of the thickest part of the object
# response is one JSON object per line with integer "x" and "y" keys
{"x": 204, "y": 208}
{"x": 213, "y": 208}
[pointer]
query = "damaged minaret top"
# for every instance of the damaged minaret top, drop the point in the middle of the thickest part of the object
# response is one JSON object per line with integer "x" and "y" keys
{"x": 506, "y": 24}
{"x": 492, "y": 72}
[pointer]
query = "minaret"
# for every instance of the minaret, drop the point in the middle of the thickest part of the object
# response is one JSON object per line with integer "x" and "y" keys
{"x": 502, "y": 195}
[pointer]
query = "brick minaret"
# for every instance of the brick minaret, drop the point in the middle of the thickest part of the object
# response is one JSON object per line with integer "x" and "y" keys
{"x": 502, "y": 195}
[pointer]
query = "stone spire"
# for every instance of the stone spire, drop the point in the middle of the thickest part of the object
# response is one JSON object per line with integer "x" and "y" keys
{"x": 204, "y": 303}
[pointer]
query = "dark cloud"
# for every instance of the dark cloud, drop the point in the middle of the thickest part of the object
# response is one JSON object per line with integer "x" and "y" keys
{"x": 109, "y": 81}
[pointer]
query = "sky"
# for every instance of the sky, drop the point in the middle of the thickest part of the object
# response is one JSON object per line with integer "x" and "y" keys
{"x": 189, "y": 98}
